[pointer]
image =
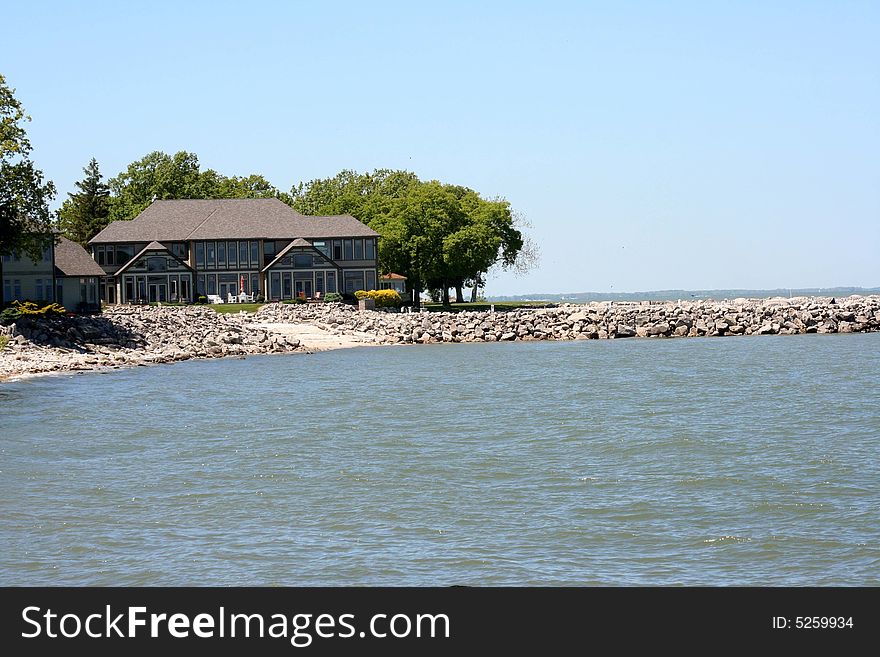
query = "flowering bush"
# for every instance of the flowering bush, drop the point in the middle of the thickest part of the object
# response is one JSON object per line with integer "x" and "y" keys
{"x": 383, "y": 298}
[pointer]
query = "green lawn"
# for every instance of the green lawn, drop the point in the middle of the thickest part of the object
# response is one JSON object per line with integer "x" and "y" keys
{"x": 486, "y": 305}
{"x": 235, "y": 307}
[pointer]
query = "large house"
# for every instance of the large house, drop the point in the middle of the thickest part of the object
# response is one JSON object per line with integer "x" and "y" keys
{"x": 65, "y": 274}
{"x": 177, "y": 250}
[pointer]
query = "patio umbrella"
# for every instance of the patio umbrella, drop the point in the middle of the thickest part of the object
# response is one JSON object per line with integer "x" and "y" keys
{"x": 242, "y": 284}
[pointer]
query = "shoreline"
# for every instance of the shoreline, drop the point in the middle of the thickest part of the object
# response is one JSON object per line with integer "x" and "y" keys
{"x": 126, "y": 336}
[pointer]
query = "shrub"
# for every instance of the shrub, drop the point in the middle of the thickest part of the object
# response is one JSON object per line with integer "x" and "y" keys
{"x": 333, "y": 296}
{"x": 30, "y": 310}
{"x": 383, "y": 298}
{"x": 4, "y": 340}
{"x": 9, "y": 315}
{"x": 201, "y": 299}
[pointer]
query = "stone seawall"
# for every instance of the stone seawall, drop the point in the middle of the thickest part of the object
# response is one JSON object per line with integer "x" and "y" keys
{"x": 595, "y": 320}
{"x": 133, "y": 335}
{"x": 126, "y": 335}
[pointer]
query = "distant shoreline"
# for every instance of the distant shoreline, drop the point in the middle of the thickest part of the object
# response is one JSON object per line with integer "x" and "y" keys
{"x": 702, "y": 295}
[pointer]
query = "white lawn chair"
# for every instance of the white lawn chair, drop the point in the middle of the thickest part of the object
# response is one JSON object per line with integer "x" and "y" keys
{"x": 230, "y": 298}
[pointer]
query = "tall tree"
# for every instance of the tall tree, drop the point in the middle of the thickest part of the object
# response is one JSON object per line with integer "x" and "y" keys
{"x": 438, "y": 235}
{"x": 25, "y": 220}
{"x": 86, "y": 212}
{"x": 252, "y": 186}
{"x": 160, "y": 176}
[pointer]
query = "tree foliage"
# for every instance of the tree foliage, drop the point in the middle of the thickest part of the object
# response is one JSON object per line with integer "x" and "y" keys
{"x": 25, "y": 220}
{"x": 437, "y": 235}
{"x": 86, "y": 212}
{"x": 159, "y": 176}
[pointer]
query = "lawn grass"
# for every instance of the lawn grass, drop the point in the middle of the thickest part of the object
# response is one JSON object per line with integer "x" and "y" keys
{"x": 235, "y": 307}
{"x": 487, "y": 305}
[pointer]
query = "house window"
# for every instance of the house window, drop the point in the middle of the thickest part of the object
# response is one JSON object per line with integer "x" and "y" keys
{"x": 16, "y": 289}
{"x": 7, "y": 288}
{"x": 337, "y": 249}
{"x": 353, "y": 281}
{"x": 243, "y": 254}
{"x": 319, "y": 282}
{"x": 288, "y": 290}
{"x": 129, "y": 288}
{"x": 322, "y": 247}
{"x": 184, "y": 288}
{"x": 255, "y": 283}
{"x": 302, "y": 260}
{"x": 358, "y": 249}
{"x": 99, "y": 253}
{"x": 221, "y": 255}
{"x": 370, "y": 249}
{"x": 108, "y": 258}
{"x": 255, "y": 254}
{"x": 200, "y": 255}
{"x": 370, "y": 279}
{"x": 209, "y": 256}
{"x": 275, "y": 285}
{"x": 179, "y": 249}
{"x": 212, "y": 284}
{"x": 331, "y": 281}
{"x": 124, "y": 254}
{"x": 157, "y": 264}
{"x": 347, "y": 249}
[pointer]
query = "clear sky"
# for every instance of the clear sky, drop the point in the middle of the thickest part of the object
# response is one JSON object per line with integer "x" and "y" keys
{"x": 652, "y": 145}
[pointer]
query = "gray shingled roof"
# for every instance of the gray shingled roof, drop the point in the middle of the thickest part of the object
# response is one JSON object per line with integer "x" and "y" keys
{"x": 73, "y": 260}
{"x": 249, "y": 218}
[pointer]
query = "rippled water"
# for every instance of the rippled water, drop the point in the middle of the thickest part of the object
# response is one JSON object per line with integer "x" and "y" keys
{"x": 699, "y": 461}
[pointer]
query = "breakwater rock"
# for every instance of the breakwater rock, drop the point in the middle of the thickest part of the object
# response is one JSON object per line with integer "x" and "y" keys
{"x": 596, "y": 320}
{"x": 133, "y": 335}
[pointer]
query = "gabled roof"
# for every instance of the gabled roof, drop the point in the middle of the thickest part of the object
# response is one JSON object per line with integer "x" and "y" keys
{"x": 233, "y": 219}
{"x": 152, "y": 246}
{"x": 301, "y": 243}
{"x": 73, "y": 260}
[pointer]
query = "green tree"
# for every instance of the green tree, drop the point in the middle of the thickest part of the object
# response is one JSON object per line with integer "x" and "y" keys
{"x": 439, "y": 236}
{"x": 159, "y": 176}
{"x": 86, "y": 212}
{"x": 25, "y": 220}
{"x": 362, "y": 195}
{"x": 252, "y": 186}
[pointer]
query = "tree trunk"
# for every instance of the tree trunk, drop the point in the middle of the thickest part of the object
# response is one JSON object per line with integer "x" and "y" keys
{"x": 459, "y": 294}
{"x": 477, "y": 281}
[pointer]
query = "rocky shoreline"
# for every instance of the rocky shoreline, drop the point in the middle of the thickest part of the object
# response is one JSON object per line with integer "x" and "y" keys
{"x": 135, "y": 335}
{"x": 598, "y": 320}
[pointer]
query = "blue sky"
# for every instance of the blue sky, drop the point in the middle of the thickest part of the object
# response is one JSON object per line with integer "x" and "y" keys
{"x": 651, "y": 145}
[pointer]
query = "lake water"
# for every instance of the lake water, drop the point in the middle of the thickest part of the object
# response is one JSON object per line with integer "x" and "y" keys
{"x": 752, "y": 460}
